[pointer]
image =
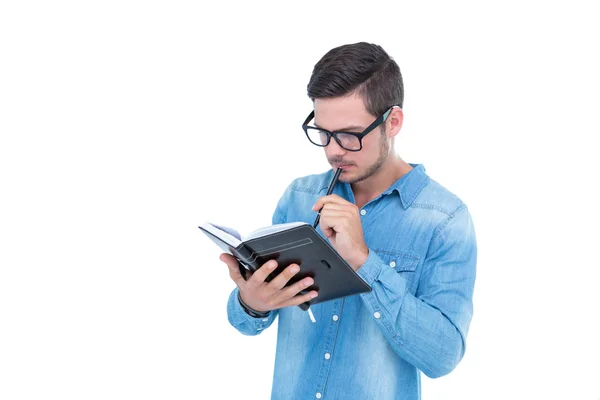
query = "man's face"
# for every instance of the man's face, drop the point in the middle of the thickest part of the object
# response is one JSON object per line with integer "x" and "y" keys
{"x": 348, "y": 114}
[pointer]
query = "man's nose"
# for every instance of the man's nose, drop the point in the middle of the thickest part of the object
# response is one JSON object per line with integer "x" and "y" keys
{"x": 333, "y": 149}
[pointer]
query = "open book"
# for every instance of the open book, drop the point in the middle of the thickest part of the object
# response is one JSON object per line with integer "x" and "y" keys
{"x": 233, "y": 237}
{"x": 292, "y": 242}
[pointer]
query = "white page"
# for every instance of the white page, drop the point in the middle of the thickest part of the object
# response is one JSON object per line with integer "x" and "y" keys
{"x": 267, "y": 230}
{"x": 229, "y": 235}
{"x": 231, "y": 231}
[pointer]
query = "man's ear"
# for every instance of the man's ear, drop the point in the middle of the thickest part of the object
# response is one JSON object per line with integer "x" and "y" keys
{"x": 394, "y": 122}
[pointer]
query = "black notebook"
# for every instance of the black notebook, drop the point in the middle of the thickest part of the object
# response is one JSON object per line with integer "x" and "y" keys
{"x": 294, "y": 242}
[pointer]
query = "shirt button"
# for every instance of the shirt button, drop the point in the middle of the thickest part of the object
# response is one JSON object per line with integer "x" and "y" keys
{"x": 318, "y": 396}
{"x": 393, "y": 264}
{"x": 363, "y": 212}
{"x": 377, "y": 315}
{"x": 335, "y": 317}
{"x": 327, "y": 356}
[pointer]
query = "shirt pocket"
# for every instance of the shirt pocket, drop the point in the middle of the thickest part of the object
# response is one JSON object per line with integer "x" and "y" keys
{"x": 403, "y": 262}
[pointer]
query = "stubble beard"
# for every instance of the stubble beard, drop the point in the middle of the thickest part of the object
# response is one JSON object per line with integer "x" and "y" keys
{"x": 384, "y": 150}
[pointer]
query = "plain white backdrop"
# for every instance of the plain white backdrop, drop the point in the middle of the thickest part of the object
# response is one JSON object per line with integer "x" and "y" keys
{"x": 126, "y": 124}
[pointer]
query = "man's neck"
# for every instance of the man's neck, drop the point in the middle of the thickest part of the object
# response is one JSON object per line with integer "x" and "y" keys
{"x": 392, "y": 170}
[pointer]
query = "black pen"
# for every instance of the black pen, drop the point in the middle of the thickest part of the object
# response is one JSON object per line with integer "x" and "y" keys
{"x": 329, "y": 191}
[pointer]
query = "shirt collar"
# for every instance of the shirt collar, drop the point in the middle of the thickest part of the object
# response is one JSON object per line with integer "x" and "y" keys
{"x": 409, "y": 185}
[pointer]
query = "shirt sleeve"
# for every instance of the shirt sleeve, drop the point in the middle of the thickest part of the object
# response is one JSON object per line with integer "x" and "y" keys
{"x": 240, "y": 319}
{"x": 428, "y": 329}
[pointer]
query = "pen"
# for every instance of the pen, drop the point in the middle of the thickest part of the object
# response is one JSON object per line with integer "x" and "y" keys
{"x": 329, "y": 191}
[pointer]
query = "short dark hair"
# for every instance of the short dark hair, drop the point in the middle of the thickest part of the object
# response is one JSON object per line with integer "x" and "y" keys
{"x": 362, "y": 68}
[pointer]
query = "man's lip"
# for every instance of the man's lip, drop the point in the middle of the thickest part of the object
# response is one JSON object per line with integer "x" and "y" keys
{"x": 342, "y": 166}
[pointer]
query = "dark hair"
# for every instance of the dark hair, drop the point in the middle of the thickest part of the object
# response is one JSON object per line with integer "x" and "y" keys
{"x": 361, "y": 68}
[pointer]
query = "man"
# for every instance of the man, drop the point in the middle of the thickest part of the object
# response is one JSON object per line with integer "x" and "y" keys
{"x": 408, "y": 237}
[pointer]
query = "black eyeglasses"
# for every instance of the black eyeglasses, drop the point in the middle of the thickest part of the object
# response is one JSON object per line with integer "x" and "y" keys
{"x": 351, "y": 141}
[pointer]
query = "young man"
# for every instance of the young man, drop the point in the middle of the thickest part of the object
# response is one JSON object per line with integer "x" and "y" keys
{"x": 407, "y": 236}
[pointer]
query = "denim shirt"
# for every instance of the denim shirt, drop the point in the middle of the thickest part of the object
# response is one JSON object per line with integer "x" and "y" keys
{"x": 421, "y": 267}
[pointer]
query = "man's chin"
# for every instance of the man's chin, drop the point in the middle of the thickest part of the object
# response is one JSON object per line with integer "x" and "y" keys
{"x": 351, "y": 177}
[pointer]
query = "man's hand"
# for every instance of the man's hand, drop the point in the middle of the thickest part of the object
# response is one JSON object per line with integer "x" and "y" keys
{"x": 340, "y": 222}
{"x": 266, "y": 296}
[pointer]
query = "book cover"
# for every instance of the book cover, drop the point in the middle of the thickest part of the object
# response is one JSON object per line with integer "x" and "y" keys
{"x": 292, "y": 243}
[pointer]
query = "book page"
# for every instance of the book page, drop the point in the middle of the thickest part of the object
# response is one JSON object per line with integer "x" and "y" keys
{"x": 229, "y": 235}
{"x": 267, "y": 230}
{"x": 231, "y": 231}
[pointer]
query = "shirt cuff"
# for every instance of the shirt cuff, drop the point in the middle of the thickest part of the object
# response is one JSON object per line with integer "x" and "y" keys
{"x": 371, "y": 269}
{"x": 250, "y": 311}
{"x": 240, "y": 318}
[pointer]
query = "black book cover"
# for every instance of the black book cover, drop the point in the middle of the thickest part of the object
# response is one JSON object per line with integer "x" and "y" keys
{"x": 333, "y": 276}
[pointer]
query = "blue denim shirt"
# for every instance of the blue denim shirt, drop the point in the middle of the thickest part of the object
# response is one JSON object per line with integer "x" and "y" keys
{"x": 421, "y": 267}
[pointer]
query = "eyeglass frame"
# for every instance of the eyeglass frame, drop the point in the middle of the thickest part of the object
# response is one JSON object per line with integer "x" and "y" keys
{"x": 381, "y": 119}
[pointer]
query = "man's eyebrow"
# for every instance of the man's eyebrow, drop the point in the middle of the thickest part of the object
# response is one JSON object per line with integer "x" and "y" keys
{"x": 345, "y": 129}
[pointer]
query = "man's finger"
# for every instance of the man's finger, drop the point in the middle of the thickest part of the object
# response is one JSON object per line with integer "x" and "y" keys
{"x": 336, "y": 206}
{"x": 297, "y": 300}
{"x": 283, "y": 278}
{"x": 294, "y": 289}
{"x": 259, "y": 276}
{"x": 234, "y": 269}
{"x": 336, "y": 214}
{"x": 333, "y": 222}
{"x": 332, "y": 198}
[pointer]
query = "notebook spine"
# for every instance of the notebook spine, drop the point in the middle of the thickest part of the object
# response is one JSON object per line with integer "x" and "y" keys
{"x": 244, "y": 255}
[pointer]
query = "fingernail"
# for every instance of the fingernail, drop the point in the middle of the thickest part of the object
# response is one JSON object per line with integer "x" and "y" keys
{"x": 295, "y": 269}
{"x": 308, "y": 282}
{"x": 272, "y": 264}
{"x": 313, "y": 295}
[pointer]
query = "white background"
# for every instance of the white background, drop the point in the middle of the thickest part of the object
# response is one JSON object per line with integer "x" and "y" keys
{"x": 124, "y": 125}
